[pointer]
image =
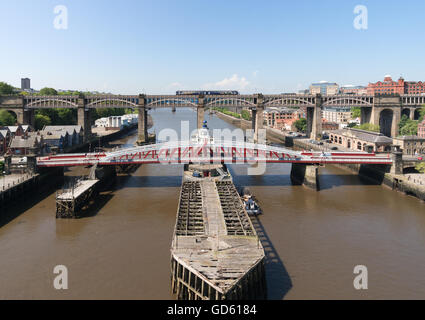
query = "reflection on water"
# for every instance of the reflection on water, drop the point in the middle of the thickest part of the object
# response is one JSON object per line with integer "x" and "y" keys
{"x": 312, "y": 239}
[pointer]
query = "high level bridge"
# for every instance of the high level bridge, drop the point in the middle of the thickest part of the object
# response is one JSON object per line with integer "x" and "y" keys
{"x": 385, "y": 110}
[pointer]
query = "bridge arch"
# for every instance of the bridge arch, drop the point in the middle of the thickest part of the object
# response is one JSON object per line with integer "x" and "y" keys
{"x": 14, "y": 113}
{"x": 110, "y": 103}
{"x": 416, "y": 114}
{"x": 52, "y": 102}
{"x": 334, "y": 101}
{"x": 405, "y": 112}
{"x": 224, "y": 102}
{"x": 386, "y": 121}
{"x": 170, "y": 102}
{"x": 289, "y": 101}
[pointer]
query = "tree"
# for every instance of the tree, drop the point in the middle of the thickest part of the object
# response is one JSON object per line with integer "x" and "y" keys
{"x": 369, "y": 127}
{"x": 356, "y": 111}
{"x": 422, "y": 113}
{"x": 41, "y": 121}
{"x": 410, "y": 128}
{"x": 420, "y": 167}
{"x": 351, "y": 125}
{"x": 6, "y": 118}
{"x": 246, "y": 115}
{"x": 48, "y": 92}
{"x": 301, "y": 125}
{"x": 65, "y": 116}
{"x": 6, "y": 88}
{"x": 403, "y": 121}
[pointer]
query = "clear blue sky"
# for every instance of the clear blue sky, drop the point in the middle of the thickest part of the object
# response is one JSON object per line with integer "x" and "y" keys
{"x": 156, "y": 46}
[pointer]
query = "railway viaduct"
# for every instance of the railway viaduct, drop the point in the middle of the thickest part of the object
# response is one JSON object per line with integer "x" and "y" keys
{"x": 383, "y": 110}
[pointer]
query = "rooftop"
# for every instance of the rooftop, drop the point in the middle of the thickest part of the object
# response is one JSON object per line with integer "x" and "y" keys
{"x": 369, "y": 136}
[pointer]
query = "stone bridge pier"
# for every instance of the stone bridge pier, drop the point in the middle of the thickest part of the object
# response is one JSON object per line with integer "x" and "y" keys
{"x": 314, "y": 119}
{"x": 142, "y": 131}
{"x": 258, "y": 117}
{"x": 305, "y": 174}
{"x": 386, "y": 112}
{"x": 200, "y": 112}
{"x": 84, "y": 117}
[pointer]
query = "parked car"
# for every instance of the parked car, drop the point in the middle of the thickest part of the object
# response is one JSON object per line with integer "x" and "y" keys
{"x": 334, "y": 148}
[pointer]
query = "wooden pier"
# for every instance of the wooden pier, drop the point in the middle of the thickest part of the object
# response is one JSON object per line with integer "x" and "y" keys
{"x": 71, "y": 200}
{"x": 215, "y": 254}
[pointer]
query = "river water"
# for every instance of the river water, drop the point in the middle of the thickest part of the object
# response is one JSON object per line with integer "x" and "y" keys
{"x": 314, "y": 239}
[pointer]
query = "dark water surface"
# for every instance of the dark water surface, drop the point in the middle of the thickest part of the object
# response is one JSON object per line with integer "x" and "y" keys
{"x": 314, "y": 239}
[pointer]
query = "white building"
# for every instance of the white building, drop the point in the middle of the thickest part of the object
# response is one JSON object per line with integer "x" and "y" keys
{"x": 117, "y": 122}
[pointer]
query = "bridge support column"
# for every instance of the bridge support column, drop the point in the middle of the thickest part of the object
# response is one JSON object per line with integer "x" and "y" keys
{"x": 258, "y": 118}
{"x": 29, "y": 117}
{"x": 396, "y": 121}
{"x": 142, "y": 121}
{"x": 412, "y": 113}
{"x": 365, "y": 114}
{"x": 7, "y": 164}
{"x": 314, "y": 119}
{"x": 31, "y": 165}
{"x": 305, "y": 174}
{"x": 84, "y": 120}
{"x": 200, "y": 110}
{"x": 374, "y": 118}
{"x": 397, "y": 157}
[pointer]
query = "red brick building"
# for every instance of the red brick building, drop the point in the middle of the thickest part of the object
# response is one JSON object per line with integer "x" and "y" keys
{"x": 388, "y": 86}
{"x": 281, "y": 119}
{"x": 414, "y": 87}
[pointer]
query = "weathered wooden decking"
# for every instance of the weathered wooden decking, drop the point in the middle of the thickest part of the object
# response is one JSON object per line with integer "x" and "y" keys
{"x": 70, "y": 201}
{"x": 222, "y": 258}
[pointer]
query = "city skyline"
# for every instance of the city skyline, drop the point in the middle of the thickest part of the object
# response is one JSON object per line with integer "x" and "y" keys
{"x": 161, "y": 47}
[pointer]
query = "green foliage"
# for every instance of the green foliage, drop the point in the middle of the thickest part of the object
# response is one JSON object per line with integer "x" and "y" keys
{"x": 1, "y": 167}
{"x": 408, "y": 127}
{"x": 369, "y": 127}
{"x": 6, "y": 118}
{"x": 301, "y": 125}
{"x": 356, "y": 111}
{"x": 6, "y": 88}
{"x": 41, "y": 121}
{"x": 420, "y": 167}
{"x": 229, "y": 113}
{"x": 245, "y": 114}
{"x": 351, "y": 125}
{"x": 107, "y": 112}
{"x": 48, "y": 92}
{"x": 422, "y": 113}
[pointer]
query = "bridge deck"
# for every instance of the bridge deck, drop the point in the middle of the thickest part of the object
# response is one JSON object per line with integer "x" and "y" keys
{"x": 82, "y": 187}
{"x": 219, "y": 257}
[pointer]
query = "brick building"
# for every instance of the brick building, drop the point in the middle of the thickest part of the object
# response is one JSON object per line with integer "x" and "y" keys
{"x": 281, "y": 119}
{"x": 411, "y": 145}
{"x": 357, "y": 90}
{"x": 388, "y": 86}
{"x": 4, "y": 140}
